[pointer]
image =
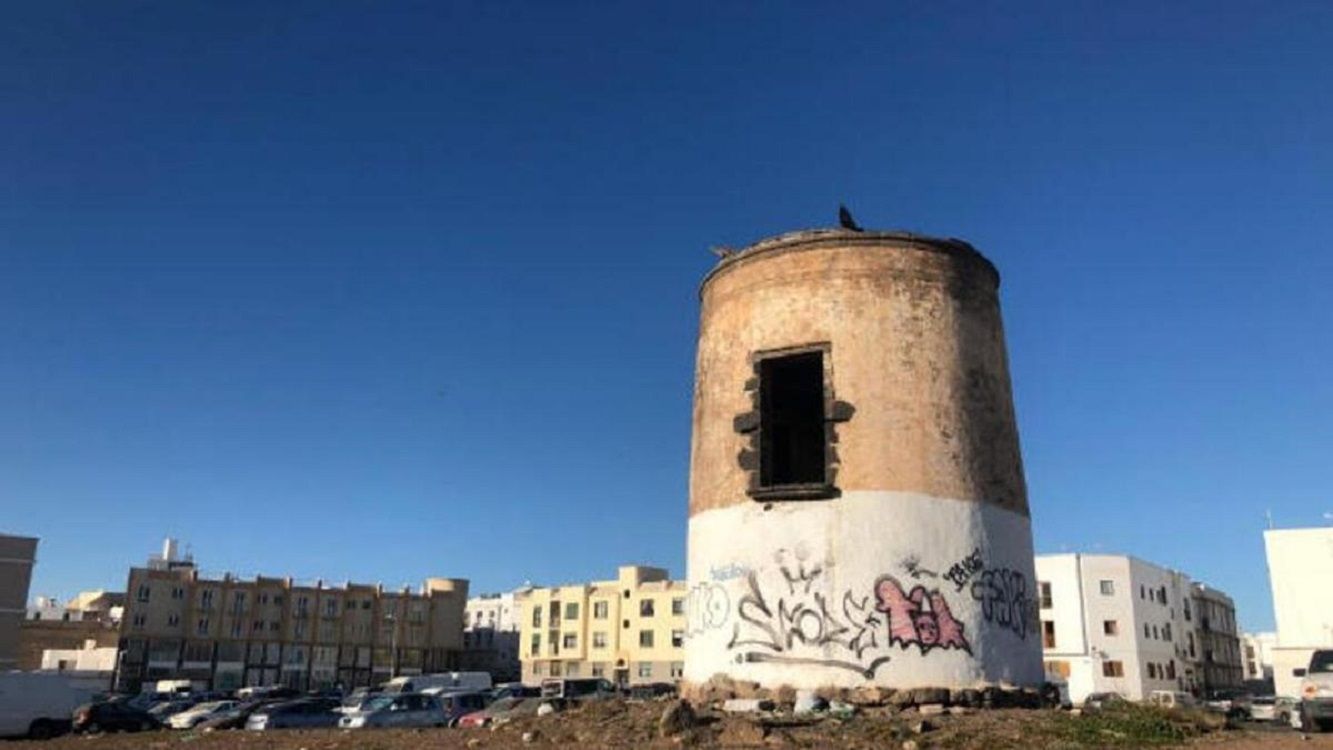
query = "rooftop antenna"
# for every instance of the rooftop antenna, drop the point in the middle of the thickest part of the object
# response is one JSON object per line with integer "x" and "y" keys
{"x": 1269, "y": 515}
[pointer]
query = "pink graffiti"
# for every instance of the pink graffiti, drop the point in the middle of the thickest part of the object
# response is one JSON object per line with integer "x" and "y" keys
{"x": 920, "y": 618}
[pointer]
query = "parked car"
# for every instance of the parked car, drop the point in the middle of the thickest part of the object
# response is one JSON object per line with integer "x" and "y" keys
{"x": 402, "y": 710}
{"x": 650, "y": 690}
{"x": 1172, "y": 699}
{"x": 237, "y": 716}
{"x": 500, "y": 711}
{"x": 166, "y": 709}
{"x": 457, "y": 705}
{"x": 38, "y": 705}
{"x": 1272, "y": 708}
{"x": 1102, "y": 700}
{"x": 1317, "y": 691}
{"x": 113, "y": 716}
{"x": 266, "y": 692}
{"x": 358, "y": 696}
{"x": 589, "y": 688}
{"x": 443, "y": 682}
{"x": 200, "y": 713}
{"x": 1233, "y": 703}
{"x": 514, "y": 690}
{"x": 303, "y": 713}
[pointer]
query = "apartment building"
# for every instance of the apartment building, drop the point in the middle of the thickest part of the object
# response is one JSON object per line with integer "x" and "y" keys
{"x": 491, "y": 625}
{"x": 17, "y": 556}
{"x": 228, "y": 632}
{"x": 1112, "y": 623}
{"x": 1219, "y": 662}
{"x": 1300, "y": 566}
{"x": 630, "y": 630}
{"x": 1256, "y": 651}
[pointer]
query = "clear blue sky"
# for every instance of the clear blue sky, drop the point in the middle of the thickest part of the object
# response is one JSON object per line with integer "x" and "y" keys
{"x": 389, "y": 290}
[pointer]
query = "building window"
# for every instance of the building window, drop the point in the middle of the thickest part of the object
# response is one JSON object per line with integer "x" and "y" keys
{"x": 645, "y": 669}
{"x": 1143, "y": 591}
{"x": 537, "y": 669}
{"x": 143, "y": 593}
{"x": 1045, "y": 588}
{"x": 1171, "y": 670}
{"x": 678, "y": 606}
{"x": 569, "y": 641}
{"x": 536, "y": 617}
{"x": 791, "y": 420}
{"x": 273, "y": 626}
{"x": 1107, "y": 587}
{"x": 572, "y": 611}
{"x": 139, "y": 620}
{"x": 173, "y": 620}
{"x": 1186, "y": 606}
{"x": 202, "y": 626}
{"x": 598, "y": 670}
{"x": 645, "y": 639}
{"x": 1154, "y": 633}
{"x": 677, "y": 670}
{"x": 1110, "y": 627}
{"x": 1166, "y": 632}
{"x": 177, "y": 592}
{"x": 1161, "y": 595}
{"x": 646, "y": 608}
{"x": 572, "y": 669}
{"x": 536, "y": 644}
{"x": 1152, "y": 671}
{"x": 555, "y": 669}
{"x": 1047, "y": 634}
{"x": 677, "y": 639}
{"x": 206, "y": 599}
{"x": 599, "y": 640}
{"x": 331, "y": 608}
{"x": 1113, "y": 669}
{"x": 600, "y": 610}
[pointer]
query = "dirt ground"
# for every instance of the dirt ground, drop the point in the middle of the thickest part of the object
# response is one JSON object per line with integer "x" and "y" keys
{"x": 617, "y": 724}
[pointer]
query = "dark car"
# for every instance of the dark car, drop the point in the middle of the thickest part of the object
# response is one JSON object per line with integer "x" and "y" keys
{"x": 651, "y": 690}
{"x": 236, "y": 718}
{"x": 303, "y": 714}
{"x": 113, "y": 716}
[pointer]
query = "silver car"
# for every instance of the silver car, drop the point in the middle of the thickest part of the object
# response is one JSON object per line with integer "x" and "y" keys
{"x": 402, "y": 710}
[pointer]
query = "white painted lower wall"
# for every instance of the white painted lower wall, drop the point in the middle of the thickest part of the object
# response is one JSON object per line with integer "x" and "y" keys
{"x": 894, "y": 589}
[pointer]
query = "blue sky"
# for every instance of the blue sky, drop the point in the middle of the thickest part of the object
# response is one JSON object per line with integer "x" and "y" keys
{"x": 387, "y": 290}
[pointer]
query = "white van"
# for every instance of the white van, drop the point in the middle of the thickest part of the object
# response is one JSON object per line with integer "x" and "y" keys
{"x": 39, "y": 704}
{"x": 443, "y": 682}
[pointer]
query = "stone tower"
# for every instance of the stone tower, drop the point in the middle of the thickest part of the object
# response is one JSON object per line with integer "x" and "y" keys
{"x": 858, "y": 514}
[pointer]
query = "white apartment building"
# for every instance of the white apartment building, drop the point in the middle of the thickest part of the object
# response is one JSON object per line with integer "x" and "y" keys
{"x": 1113, "y": 623}
{"x": 491, "y": 634}
{"x": 1257, "y": 655}
{"x": 1300, "y": 568}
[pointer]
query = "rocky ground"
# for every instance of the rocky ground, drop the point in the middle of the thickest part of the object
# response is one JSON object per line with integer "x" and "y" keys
{"x": 665, "y": 724}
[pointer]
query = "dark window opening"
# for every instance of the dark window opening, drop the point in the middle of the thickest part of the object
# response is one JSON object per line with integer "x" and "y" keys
{"x": 791, "y": 420}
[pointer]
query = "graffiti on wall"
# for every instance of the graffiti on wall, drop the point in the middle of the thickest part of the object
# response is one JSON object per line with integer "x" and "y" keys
{"x": 1003, "y": 594}
{"x": 707, "y": 607}
{"x": 794, "y": 613}
{"x": 919, "y": 617}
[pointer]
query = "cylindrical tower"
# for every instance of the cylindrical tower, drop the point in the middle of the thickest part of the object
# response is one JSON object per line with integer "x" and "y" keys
{"x": 858, "y": 514}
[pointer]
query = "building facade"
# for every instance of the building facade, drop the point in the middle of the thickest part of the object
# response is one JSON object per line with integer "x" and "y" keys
{"x": 91, "y": 616}
{"x": 858, "y": 513}
{"x": 1257, "y": 660}
{"x": 1113, "y": 623}
{"x": 1300, "y": 566}
{"x": 17, "y": 556}
{"x": 1220, "y": 664}
{"x": 491, "y": 624}
{"x": 226, "y": 632}
{"x": 630, "y": 630}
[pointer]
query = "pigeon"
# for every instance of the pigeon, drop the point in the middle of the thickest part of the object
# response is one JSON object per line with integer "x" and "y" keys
{"x": 846, "y": 221}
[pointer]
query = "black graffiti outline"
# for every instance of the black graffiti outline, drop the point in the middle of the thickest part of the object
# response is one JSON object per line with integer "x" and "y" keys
{"x": 804, "y": 624}
{"x": 1003, "y": 593}
{"x": 709, "y": 614}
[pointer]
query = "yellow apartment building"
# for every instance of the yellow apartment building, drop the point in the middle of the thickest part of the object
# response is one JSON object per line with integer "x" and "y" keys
{"x": 227, "y": 632}
{"x": 630, "y": 630}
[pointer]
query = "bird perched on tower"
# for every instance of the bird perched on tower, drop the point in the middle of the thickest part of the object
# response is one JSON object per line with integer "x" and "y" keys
{"x": 846, "y": 221}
